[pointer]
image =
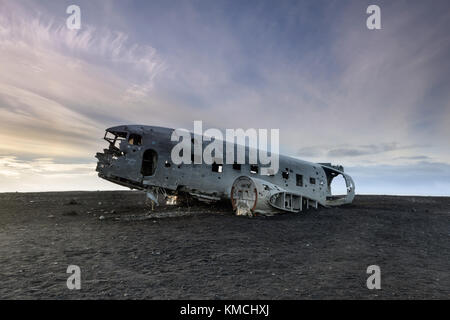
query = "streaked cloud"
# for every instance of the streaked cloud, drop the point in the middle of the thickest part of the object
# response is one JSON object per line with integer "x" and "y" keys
{"x": 48, "y": 174}
{"x": 366, "y": 150}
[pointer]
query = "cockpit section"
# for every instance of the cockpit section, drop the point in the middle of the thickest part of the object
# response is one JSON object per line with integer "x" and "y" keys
{"x": 117, "y": 163}
{"x": 118, "y": 138}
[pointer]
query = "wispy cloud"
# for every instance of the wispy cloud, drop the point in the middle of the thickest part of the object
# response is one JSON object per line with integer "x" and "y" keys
{"x": 59, "y": 88}
{"x": 43, "y": 35}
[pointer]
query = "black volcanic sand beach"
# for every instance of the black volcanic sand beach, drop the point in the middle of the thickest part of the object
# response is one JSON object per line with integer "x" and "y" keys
{"x": 126, "y": 251}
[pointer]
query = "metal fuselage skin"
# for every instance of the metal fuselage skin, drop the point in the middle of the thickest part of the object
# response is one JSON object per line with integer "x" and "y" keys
{"x": 136, "y": 147}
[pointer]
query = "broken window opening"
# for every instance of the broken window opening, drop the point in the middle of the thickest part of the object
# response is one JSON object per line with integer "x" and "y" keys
{"x": 114, "y": 139}
{"x": 285, "y": 174}
{"x": 149, "y": 161}
{"x": 216, "y": 167}
{"x": 135, "y": 139}
{"x": 299, "y": 180}
{"x": 110, "y": 137}
{"x": 312, "y": 180}
{"x": 253, "y": 168}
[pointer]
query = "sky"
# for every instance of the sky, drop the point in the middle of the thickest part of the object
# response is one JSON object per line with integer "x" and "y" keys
{"x": 375, "y": 101}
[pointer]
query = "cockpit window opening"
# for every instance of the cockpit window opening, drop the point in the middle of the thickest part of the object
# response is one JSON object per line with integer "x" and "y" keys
{"x": 110, "y": 137}
{"x": 114, "y": 138}
{"x": 135, "y": 139}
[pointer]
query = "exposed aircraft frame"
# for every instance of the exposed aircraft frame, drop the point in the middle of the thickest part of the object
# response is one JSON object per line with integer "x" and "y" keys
{"x": 139, "y": 157}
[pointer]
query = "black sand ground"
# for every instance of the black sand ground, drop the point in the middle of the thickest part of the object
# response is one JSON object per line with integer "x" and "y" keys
{"x": 206, "y": 252}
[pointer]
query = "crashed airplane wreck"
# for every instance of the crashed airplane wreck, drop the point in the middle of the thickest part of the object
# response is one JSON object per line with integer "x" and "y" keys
{"x": 139, "y": 157}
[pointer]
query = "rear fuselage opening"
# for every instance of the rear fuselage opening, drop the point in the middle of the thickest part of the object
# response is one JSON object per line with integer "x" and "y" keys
{"x": 341, "y": 188}
{"x": 338, "y": 187}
